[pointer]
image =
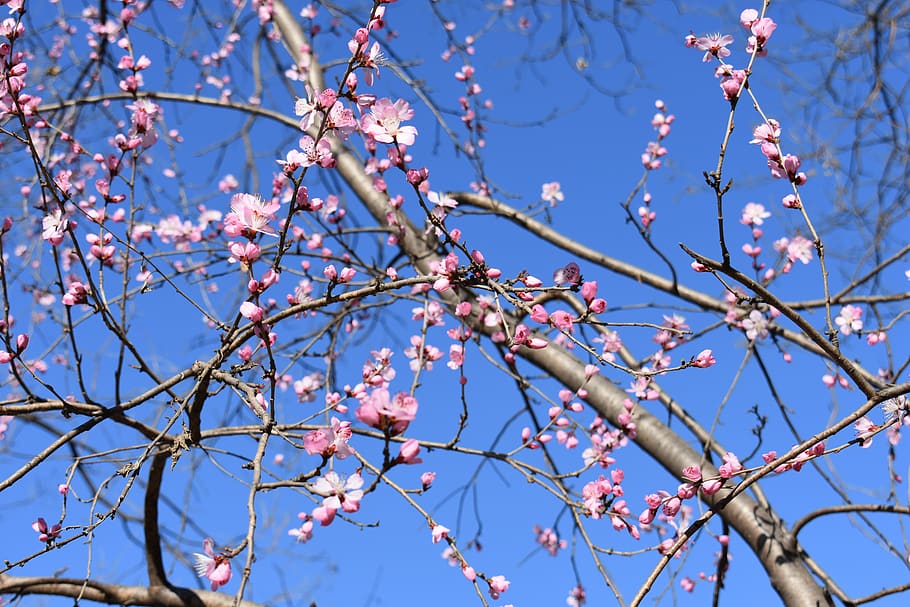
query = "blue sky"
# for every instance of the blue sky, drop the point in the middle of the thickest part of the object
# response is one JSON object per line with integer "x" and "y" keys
{"x": 547, "y": 124}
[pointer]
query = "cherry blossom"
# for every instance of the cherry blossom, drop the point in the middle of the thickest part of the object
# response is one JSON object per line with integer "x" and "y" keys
{"x": 850, "y": 319}
{"x": 864, "y": 429}
{"x": 577, "y": 597}
{"x": 714, "y": 45}
{"x": 408, "y": 452}
{"x": 382, "y": 412}
{"x": 304, "y": 533}
{"x": 330, "y": 441}
{"x": 215, "y": 567}
{"x": 339, "y": 493}
{"x": 896, "y": 409}
{"x": 250, "y": 213}
{"x": 704, "y": 359}
{"x": 383, "y": 122}
{"x": 761, "y": 31}
{"x": 498, "y": 585}
{"x": 45, "y": 533}
{"x": 551, "y": 193}
{"x": 440, "y": 532}
{"x": 53, "y": 227}
{"x": 754, "y": 214}
{"x": 756, "y": 325}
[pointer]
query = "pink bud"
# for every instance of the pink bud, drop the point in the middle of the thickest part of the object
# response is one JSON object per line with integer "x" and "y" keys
{"x": 469, "y": 573}
{"x": 409, "y": 451}
{"x": 251, "y": 311}
{"x": 21, "y": 342}
{"x": 589, "y": 290}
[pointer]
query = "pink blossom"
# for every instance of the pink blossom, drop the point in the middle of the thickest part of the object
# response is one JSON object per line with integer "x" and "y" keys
{"x": 704, "y": 359}
{"x": 850, "y": 319}
{"x": 53, "y": 227}
{"x": 539, "y": 314}
{"x": 498, "y": 585}
{"x": 45, "y": 533}
{"x": 790, "y": 201}
{"x": 748, "y": 17}
{"x": 249, "y": 212}
{"x": 687, "y": 584}
{"x": 712, "y": 486}
{"x": 427, "y": 478}
{"x": 384, "y": 120}
{"x": 339, "y": 494}
{"x": 562, "y": 320}
{"x": 756, "y": 325}
{"x": 217, "y": 568}
{"x": 577, "y": 597}
{"x": 408, "y": 452}
{"x": 251, "y": 311}
{"x": 330, "y": 441}
{"x": 864, "y": 429}
{"x": 767, "y": 132}
{"x": 440, "y": 532}
{"x": 324, "y": 515}
{"x": 551, "y": 192}
{"x": 692, "y": 473}
{"x": 316, "y": 152}
{"x": 570, "y": 274}
{"x": 754, "y": 214}
{"x": 761, "y": 32}
{"x": 382, "y": 412}
{"x": 303, "y": 533}
{"x": 714, "y": 45}
{"x": 730, "y": 466}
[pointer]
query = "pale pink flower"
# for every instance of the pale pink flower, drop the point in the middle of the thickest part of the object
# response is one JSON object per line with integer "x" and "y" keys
{"x": 756, "y": 325}
{"x": 382, "y": 412}
{"x": 577, "y": 597}
{"x": 251, "y": 311}
{"x": 704, "y": 359}
{"x": 250, "y": 212}
{"x": 339, "y": 494}
{"x": 316, "y": 152}
{"x": 767, "y": 132}
{"x": 754, "y": 214}
{"x": 850, "y": 319}
{"x": 330, "y": 441}
{"x": 383, "y": 122}
{"x": 748, "y": 17}
{"x": 761, "y": 31}
{"x": 408, "y": 452}
{"x": 730, "y": 466}
{"x": 864, "y": 429}
{"x": 895, "y": 409}
{"x": 303, "y": 533}
{"x": 217, "y": 568}
{"x": 498, "y": 585}
{"x": 427, "y": 478}
{"x": 551, "y": 193}
{"x": 53, "y": 227}
{"x": 714, "y": 45}
{"x": 440, "y": 532}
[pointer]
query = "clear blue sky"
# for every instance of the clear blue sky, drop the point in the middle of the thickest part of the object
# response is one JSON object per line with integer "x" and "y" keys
{"x": 547, "y": 124}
